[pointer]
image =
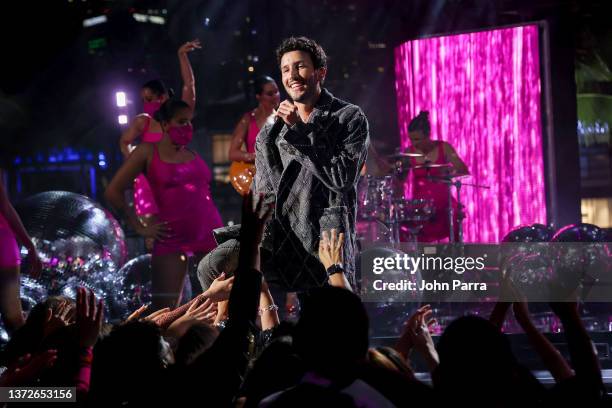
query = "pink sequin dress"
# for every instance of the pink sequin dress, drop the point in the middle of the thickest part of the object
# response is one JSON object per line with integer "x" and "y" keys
{"x": 144, "y": 202}
{"x": 438, "y": 227}
{"x": 9, "y": 250}
{"x": 182, "y": 194}
{"x": 252, "y": 134}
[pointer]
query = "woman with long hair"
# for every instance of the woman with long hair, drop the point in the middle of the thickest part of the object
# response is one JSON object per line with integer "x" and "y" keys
{"x": 245, "y": 133}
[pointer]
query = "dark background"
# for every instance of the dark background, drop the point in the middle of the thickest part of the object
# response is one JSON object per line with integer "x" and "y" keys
{"x": 58, "y": 81}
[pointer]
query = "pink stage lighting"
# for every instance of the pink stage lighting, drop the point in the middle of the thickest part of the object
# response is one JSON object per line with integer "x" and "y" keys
{"x": 483, "y": 93}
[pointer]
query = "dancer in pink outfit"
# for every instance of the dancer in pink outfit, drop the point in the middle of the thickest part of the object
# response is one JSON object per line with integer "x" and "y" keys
{"x": 179, "y": 181}
{"x": 153, "y": 94}
{"x": 11, "y": 232}
{"x": 245, "y": 133}
{"x": 438, "y": 152}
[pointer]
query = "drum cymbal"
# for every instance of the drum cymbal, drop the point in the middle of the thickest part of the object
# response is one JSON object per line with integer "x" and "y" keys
{"x": 432, "y": 166}
{"x": 405, "y": 155}
{"x": 448, "y": 177}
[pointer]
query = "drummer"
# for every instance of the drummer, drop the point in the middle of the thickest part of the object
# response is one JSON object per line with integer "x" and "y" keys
{"x": 437, "y": 160}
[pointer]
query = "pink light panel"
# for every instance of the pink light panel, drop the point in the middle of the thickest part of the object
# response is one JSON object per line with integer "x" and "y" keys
{"x": 483, "y": 94}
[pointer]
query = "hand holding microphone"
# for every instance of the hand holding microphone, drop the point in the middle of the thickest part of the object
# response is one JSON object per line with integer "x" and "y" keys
{"x": 288, "y": 112}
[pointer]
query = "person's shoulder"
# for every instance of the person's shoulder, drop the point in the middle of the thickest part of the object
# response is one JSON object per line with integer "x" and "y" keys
{"x": 346, "y": 106}
{"x": 144, "y": 148}
{"x": 447, "y": 146}
{"x": 246, "y": 118}
{"x": 347, "y": 111}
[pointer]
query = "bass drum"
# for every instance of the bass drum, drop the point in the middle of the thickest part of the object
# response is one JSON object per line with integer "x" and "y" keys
{"x": 369, "y": 232}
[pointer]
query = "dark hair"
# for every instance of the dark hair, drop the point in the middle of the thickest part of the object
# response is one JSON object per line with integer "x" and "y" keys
{"x": 194, "y": 342}
{"x": 127, "y": 361}
{"x": 319, "y": 323}
{"x": 420, "y": 122}
{"x": 260, "y": 82}
{"x": 158, "y": 88}
{"x": 478, "y": 364}
{"x": 317, "y": 54}
{"x": 169, "y": 109}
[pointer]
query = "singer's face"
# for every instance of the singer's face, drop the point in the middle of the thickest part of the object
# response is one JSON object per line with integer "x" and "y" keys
{"x": 300, "y": 78}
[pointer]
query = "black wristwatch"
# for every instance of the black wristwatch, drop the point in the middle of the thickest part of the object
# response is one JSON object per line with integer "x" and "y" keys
{"x": 335, "y": 268}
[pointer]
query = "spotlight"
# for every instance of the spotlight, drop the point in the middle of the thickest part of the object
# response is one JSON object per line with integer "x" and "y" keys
{"x": 90, "y": 22}
{"x": 121, "y": 99}
{"x": 123, "y": 119}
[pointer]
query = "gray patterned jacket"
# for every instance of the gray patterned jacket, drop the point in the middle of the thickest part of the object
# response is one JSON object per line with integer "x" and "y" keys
{"x": 311, "y": 170}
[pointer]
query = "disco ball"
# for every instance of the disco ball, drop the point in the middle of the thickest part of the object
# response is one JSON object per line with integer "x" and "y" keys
{"x": 582, "y": 260}
{"x": 136, "y": 283}
{"x": 529, "y": 233}
{"x": 79, "y": 244}
{"x": 525, "y": 259}
{"x": 72, "y": 226}
{"x": 580, "y": 233}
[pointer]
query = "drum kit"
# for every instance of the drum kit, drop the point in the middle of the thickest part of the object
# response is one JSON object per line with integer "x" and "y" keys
{"x": 384, "y": 213}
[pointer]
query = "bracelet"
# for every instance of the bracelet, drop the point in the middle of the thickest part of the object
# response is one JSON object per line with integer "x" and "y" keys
{"x": 269, "y": 308}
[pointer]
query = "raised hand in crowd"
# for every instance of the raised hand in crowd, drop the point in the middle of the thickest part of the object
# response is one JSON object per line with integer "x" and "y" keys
{"x": 255, "y": 215}
{"x": 416, "y": 335}
{"x": 332, "y": 257}
{"x": 201, "y": 311}
{"x": 553, "y": 360}
{"x": 136, "y": 314}
{"x": 582, "y": 353}
{"x": 89, "y": 317}
{"x": 58, "y": 317}
{"x": 220, "y": 288}
{"x": 501, "y": 308}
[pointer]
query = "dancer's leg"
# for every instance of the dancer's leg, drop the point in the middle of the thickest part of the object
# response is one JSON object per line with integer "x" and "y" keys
{"x": 10, "y": 300}
{"x": 169, "y": 273}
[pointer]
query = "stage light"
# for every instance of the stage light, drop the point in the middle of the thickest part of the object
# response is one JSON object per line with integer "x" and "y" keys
{"x": 157, "y": 20}
{"x": 123, "y": 119}
{"x": 141, "y": 18}
{"x": 251, "y": 69}
{"x": 90, "y": 22}
{"x": 121, "y": 99}
{"x": 206, "y": 21}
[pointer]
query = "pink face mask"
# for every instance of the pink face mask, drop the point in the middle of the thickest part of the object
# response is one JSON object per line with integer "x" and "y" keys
{"x": 151, "y": 107}
{"x": 181, "y": 135}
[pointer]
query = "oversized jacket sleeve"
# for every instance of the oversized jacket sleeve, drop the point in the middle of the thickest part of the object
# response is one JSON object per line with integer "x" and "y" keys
{"x": 267, "y": 164}
{"x": 337, "y": 165}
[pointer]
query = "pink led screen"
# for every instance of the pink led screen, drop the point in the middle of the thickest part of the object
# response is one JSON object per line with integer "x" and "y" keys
{"x": 483, "y": 94}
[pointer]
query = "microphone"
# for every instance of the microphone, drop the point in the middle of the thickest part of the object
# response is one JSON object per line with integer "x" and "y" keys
{"x": 278, "y": 123}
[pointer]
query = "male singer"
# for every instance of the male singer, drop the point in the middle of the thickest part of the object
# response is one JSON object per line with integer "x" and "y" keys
{"x": 308, "y": 161}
